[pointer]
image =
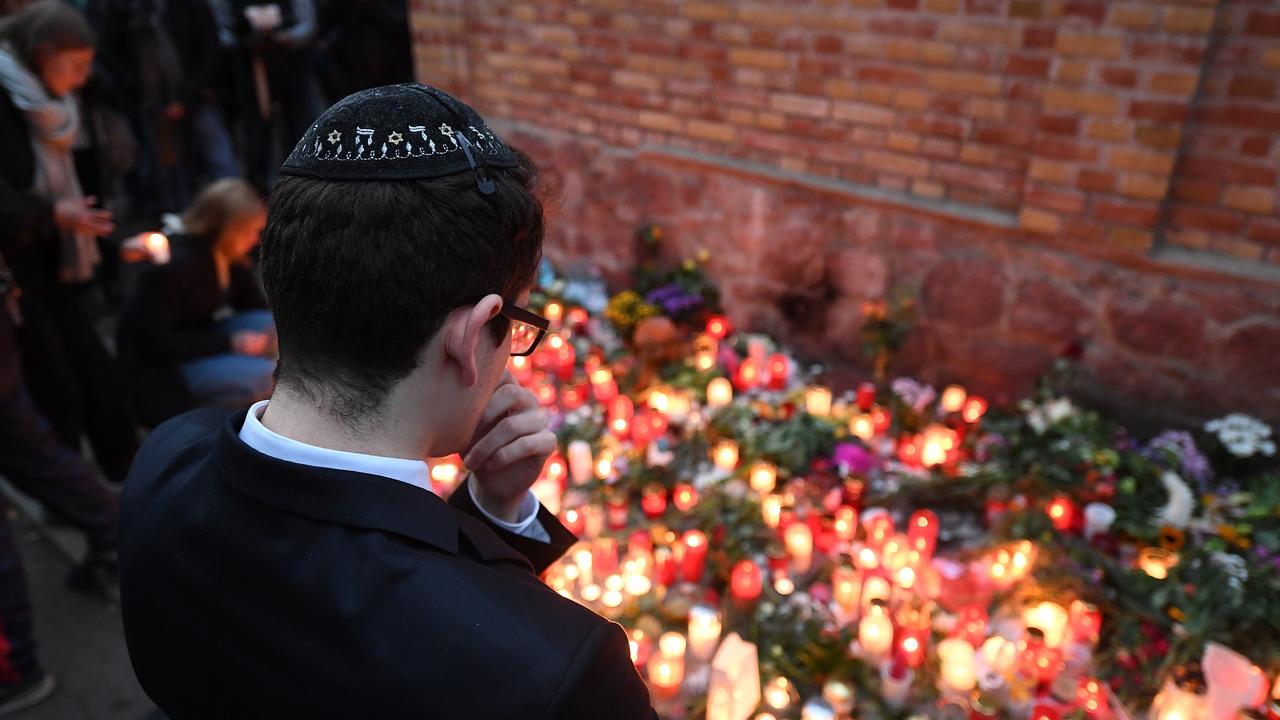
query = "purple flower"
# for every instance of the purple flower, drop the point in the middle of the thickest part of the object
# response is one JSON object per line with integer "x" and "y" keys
{"x": 1182, "y": 446}
{"x": 673, "y": 299}
{"x": 857, "y": 459}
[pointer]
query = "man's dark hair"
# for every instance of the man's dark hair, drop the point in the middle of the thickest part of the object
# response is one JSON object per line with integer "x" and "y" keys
{"x": 45, "y": 27}
{"x": 361, "y": 275}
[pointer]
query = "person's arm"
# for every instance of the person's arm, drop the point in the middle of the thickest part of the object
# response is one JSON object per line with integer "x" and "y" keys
{"x": 540, "y": 548}
{"x": 151, "y": 319}
{"x": 602, "y": 682}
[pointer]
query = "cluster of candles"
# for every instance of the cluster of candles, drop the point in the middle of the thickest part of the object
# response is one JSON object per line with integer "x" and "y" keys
{"x": 884, "y": 583}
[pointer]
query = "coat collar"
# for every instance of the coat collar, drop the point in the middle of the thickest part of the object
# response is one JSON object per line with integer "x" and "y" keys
{"x": 353, "y": 499}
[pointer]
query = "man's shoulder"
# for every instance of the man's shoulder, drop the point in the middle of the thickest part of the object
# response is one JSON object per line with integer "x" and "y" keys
{"x": 176, "y": 444}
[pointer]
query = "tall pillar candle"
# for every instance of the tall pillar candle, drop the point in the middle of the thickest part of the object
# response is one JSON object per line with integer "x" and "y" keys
{"x": 580, "y": 462}
{"x": 704, "y": 631}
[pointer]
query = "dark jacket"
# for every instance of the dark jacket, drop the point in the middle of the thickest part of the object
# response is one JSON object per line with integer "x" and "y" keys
{"x": 127, "y": 31}
{"x": 28, "y": 236}
{"x": 258, "y": 588}
{"x": 169, "y": 320}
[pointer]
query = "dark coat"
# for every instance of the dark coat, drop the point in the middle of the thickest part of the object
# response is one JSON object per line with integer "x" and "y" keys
{"x": 258, "y": 588}
{"x": 169, "y": 320}
{"x": 28, "y": 236}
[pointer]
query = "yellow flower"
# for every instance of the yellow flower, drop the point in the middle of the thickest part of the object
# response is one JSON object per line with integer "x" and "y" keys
{"x": 703, "y": 255}
{"x": 1176, "y": 614}
{"x": 1232, "y": 536}
{"x": 689, "y": 265}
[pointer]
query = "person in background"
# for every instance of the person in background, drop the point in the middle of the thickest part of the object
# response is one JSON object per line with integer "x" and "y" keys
{"x": 271, "y": 46}
{"x": 363, "y": 44}
{"x": 163, "y": 56}
{"x": 49, "y": 231}
{"x": 175, "y": 351}
{"x": 34, "y": 462}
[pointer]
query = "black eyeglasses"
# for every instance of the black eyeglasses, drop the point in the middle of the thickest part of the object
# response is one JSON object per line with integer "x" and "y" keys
{"x": 527, "y": 329}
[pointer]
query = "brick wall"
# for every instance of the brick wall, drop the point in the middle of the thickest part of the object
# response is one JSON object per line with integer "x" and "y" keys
{"x": 1025, "y": 163}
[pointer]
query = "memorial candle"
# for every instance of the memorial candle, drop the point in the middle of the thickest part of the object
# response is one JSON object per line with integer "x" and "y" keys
{"x": 779, "y": 370}
{"x": 641, "y": 647}
{"x": 771, "y": 508}
{"x": 1157, "y": 562}
{"x": 974, "y": 408}
{"x": 725, "y": 455}
{"x": 846, "y": 586}
{"x": 879, "y": 528}
{"x": 554, "y": 312}
{"x": 603, "y": 386}
{"x": 604, "y": 557}
{"x": 764, "y": 477}
{"x": 778, "y": 694}
{"x": 1051, "y": 618}
{"x": 746, "y": 581}
{"x": 664, "y": 566}
{"x": 953, "y": 398}
{"x": 846, "y": 523}
{"x": 1092, "y": 697}
{"x": 718, "y": 327}
{"x": 748, "y": 376}
{"x": 817, "y": 401}
{"x": 685, "y": 497}
{"x": 719, "y": 393}
{"x": 922, "y": 533}
{"x": 958, "y": 672}
{"x": 875, "y": 589}
{"x": 1098, "y": 518}
{"x": 521, "y": 369}
{"x": 866, "y": 396}
{"x": 1061, "y": 512}
{"x": 1085, "y": 623}
{"x": 704, "y": 631}
{"x": 666, "y": 676}
{"x": 653, "y": 500}
{"x": 573, "y": 521}
{"x": 875, "y": 631}
{"x": 862, "y": 427}
{"x": 695, "y": 555}
{"x": 799, "y": 541}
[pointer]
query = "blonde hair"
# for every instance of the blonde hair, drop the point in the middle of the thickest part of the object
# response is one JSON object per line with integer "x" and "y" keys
{"x": 218, "y": 204}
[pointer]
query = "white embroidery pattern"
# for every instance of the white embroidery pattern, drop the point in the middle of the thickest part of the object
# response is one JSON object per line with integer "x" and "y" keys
{"x": 399, "y": 144}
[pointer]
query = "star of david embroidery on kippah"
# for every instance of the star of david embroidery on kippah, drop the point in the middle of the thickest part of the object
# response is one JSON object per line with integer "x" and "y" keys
{"x": 334, "y": 137}
{"x": 395, "y": 138}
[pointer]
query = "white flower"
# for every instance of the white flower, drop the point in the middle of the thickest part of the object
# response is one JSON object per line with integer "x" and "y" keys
{"x": 1043, "y": 417}
{"x": 1235, "y": 568}
{"x": 1177, "y": 511}
{"x": 1037, "y": 421}
{"x": 1242, "y": 435}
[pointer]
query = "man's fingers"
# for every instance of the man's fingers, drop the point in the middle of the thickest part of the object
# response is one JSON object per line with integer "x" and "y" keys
{"x": 505, "y": 433}
{"x": 540, "y": 444}
{"x": 508, "y": 398}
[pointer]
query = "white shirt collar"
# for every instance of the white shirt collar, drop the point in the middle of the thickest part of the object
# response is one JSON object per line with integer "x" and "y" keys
{"x": 260, "y": 438}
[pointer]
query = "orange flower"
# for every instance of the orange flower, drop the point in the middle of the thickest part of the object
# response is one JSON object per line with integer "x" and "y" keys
{"x": 1176, "y": 614}
{"x": 1171, "y": 538}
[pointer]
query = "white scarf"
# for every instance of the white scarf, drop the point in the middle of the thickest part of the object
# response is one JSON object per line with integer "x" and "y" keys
{"x": 55, "y": 125}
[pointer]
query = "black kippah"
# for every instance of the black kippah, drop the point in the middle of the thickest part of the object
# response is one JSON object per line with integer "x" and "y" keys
{"x": 399, "y": 132}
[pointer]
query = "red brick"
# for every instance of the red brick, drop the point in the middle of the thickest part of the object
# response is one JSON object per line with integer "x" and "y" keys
{"x": 964, "y": 82}
{"x": 1191, "y": 190}
{"x": 940, "y": 148}
{"x": 1262, "y": 22}
{"x": 1197, "y": 21}
{"x": 1119, "y": 76}
{"x": 1095, "y": 180}
{"x": 1161, "y": 137}
{"x": 1256, "y": 145}
{"x": 889, "y": 75}
{"x": 1059, "y": 124}
{"x": 863, "y": 113}
{"x": 895, "y": 163}
{"x": 1162, "y": 111}
{"x": 1017, "y": 137}
{"x": 1258, "y": 87}
{"x": 1184, "y": 52}
{"x": 1026, "y": 9}
{"x": 1039, "y": 221}
{"x": 1092, "y": 10}
{"x": 1265, "y": 230}
{"x": 1089, "y": 45}
{"x": 1064, "y": 149}
{"x": 1256, "y": 200}
{"x": 1229, "y": 171}
{"x": 973, "y": 177}
{"x": 935, "y": 126}
{"x": 1174, "y": 83}
{"x": 1039, "y": 37}
{"x": 1133, "y": 16}
{"x": 1243, "y": 115}
{"x": 801, "y": 105}
{"x": 833, "y": 44}
{"x": 1061, "y": 200}
{"x": 1143, "y": 214}
{"x": 903, "y": 4}
{"x": 1027, "y": 65}
{"x": 1223, "y": 221}
{"x": 1145, "y": 187}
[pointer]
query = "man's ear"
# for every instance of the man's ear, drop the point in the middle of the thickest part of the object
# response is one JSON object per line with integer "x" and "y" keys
{"x": 464, "y": 328}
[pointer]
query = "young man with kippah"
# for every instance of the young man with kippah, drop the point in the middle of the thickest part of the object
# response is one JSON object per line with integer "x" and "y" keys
{"x": 291, "y": 560}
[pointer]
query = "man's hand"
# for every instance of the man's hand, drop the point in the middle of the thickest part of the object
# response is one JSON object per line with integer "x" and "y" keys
{"x": 511, "y": 444}
{"x": 79, "y": 215}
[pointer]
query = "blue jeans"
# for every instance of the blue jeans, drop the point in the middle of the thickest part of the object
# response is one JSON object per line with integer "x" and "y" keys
{"x": 233, "y": 381}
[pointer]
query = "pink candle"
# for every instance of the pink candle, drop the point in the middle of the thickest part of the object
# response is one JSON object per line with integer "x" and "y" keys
{"x": 779, "y": 371}
{"x": 653, "y": 500}
{"x": 922, "y": 534}
{"x": 694, "y": 563}
{"x": 604, "y": 558}
{"x": 685, "y": 497}
{"x": 879, "y": 529}
{"x": 866, "y": 396}
{"x": 746, "y": 582}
